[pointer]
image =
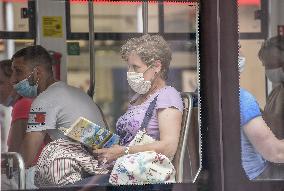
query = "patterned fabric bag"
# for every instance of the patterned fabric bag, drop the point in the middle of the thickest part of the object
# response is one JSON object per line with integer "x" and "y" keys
{"x": 142, "y": 168}
{"x": 146, "y": 167}
{"x": 64, "y": 162}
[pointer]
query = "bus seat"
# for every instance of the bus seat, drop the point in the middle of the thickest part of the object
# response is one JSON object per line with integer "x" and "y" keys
{"x": 185, "y": 160}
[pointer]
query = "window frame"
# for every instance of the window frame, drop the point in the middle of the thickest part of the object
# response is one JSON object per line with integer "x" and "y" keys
{"x": 29, "y": 35}
{"x": 263, "y": 34}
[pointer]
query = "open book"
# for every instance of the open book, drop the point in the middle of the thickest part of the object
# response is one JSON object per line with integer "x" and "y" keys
{"x": 90, "y": 134}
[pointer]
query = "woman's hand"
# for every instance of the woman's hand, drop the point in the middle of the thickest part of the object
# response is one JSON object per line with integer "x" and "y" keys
{"x": 108, "y": 155}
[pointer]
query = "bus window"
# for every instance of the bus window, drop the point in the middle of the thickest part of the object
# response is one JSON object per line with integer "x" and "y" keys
{"x": 116, "y": 17}
{"x": 183, "y": 21}
{"x": 13, "y": 10}
{"x": 106, "y": 65}
{"x": 262, "y": 91}
{"x": 248, "y": 20}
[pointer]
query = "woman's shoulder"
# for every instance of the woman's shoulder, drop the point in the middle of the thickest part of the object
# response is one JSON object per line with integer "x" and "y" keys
{"x": 169, "y": 91}
{"x": 169, "y": 97}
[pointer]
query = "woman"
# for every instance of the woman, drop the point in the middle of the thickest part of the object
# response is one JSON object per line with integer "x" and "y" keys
{"x": 148, "y": 59}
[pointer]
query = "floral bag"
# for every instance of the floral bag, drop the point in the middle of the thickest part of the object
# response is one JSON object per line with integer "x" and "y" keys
{"x": 142, "y": 168}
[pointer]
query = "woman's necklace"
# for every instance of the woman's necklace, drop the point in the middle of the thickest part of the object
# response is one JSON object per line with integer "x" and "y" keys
{"x": 149, "y": 94}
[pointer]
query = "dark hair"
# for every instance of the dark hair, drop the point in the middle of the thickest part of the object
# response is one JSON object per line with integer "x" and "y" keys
{"x": 273, "y": 42}
{"x": 6, "y": 67}
{"x": 35, "y": 55}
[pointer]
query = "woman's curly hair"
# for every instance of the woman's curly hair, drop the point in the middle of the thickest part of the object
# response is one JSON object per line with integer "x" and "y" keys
{"x": 149, "y": 48}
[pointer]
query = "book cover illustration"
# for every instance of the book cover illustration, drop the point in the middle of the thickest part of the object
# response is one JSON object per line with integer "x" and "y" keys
{"x": 91, "y": 134}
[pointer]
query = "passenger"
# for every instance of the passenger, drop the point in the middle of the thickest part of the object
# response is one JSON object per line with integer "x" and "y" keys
{"x": 272, "y": 56}
{"x": 20, "y": 113}
{"x": 148, "y": 59}
{"x": 56, "y": 104}
{"x": 5, "y": 111}
{"x": 261, "y": 150}
{"x": 21, "y": 107}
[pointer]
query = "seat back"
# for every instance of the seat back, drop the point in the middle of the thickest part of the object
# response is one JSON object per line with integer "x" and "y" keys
{"x": 186, "y": 158}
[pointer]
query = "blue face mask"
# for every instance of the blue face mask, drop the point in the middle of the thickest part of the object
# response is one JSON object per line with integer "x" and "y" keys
{"x": 25, "y": 89}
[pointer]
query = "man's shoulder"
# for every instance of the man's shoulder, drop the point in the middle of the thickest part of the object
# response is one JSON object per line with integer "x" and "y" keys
{"x": 59, "y": 92}
{"x": 52, "y": 90}
{"x": 61, "y": 87}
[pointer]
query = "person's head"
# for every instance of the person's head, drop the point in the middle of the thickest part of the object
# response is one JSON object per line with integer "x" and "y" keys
{"x": 148, "y": 57}
{"x": 32, "y": 69}
{"x": 6, "y": 87}
{"x": 271, "y": 55}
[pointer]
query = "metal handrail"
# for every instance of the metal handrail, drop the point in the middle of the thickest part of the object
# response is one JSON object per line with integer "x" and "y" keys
{"x": 18, "y": 157}
{"x": 91, "y": 48}
{"x": 179, "y": 176}
{"x": 145, "y": 16}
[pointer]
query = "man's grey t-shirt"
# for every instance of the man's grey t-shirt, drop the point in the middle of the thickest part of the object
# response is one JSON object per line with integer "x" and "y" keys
{"x": 60, "y": 105}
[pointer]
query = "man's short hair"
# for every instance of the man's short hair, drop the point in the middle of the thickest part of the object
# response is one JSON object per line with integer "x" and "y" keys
{"x": 35, "y": 55}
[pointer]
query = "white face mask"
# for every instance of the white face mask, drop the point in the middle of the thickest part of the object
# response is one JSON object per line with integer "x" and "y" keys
{"x": 137, "y": 82}
{"x": 242, "y": 62}
{"x": 275, "y": 75}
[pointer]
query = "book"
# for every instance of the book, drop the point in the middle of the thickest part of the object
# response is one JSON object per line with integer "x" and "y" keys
{"x": 90, "y": 134}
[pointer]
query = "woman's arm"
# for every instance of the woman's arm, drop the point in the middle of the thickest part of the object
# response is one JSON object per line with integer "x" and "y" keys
{"x": 169, "y": 127}
{"x": 264, "y": 141}
{"x": 16, "y": 135}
